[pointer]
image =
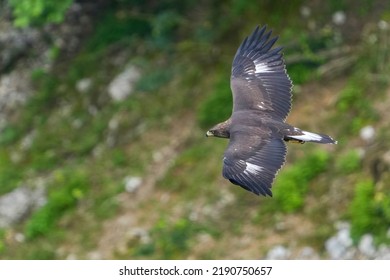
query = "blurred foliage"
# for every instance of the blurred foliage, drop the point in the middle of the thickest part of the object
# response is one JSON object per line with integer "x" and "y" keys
{"x": 370, "y": 212}
{"x": 8, "y": 135}
{"x": 217, "y": 106}
{"x": 292, "y": 185}
{"x": 2, "y": 243}
{"x": 184, "y": 51}
{"x": 38, "y": 12}
{"x": 115, "y": 27}
{"x": 354, "y": 101}
{"x": 196, "y": 170}
{"x": 169, "y": 240}
{"x": 361, "y": 209}
{"x": 65, "y": 191}
{"x": 9, "y": 175}
{"x": 348, "y": 162}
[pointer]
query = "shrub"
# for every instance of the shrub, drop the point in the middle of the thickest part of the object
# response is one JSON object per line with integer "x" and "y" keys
{"x": 349, "y": 162}
{"x": 68, "y": 188}
{"x": 218, "y": 106}
{"x": 169, "y": 241}
{"x": 361, "y": 209}
{"x": 37, "y": 12}
{"x": 369, "y": 211}
{"x": 292, "y": 184}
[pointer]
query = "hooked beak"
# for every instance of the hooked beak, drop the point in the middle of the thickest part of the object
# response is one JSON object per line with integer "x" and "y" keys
{"x": 209, "y": 133}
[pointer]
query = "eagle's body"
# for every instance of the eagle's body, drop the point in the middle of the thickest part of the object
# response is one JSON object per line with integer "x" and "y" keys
{"x": 257, "y": 129}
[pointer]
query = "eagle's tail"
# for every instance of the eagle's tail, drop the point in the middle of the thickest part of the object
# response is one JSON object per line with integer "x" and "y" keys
{"x": 302, "y": 136}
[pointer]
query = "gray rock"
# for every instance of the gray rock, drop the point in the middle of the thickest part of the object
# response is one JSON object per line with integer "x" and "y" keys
{"x": 333, "y": 248}
{"x": 339, "y": 18}
{"x": 367, "y": 133}
{"x": 19, "y": 237}
{"x": 338, "y": 245}
{"x": 366, "y": 246}
{"x": 14, "y": 90}
{"x": 344, "y": 238}
{"x": 132, "y": 183}
{"x": 17, "y": 204}
{"x": 308, "y": 253}
{"x": 123, "y": 84}
{"x": 383, "y": 25}
{"x": 305, "y": 11}
{"x": 383, "y": 252}
{"x": 278, "y": 252}
{"x": 28, "y": 140}
{"x": 84, "y": 85}
{"x": 138, "y": 234}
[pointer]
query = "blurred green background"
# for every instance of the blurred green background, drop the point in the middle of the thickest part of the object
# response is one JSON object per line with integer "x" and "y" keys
{"x": 103, "y": 111}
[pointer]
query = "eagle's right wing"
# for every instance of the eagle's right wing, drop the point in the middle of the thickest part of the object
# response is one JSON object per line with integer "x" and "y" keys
{"x": 259, "y": 80}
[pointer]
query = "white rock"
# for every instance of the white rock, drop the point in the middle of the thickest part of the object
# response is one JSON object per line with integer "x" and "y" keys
{"x": 139, "y": 233}
{"x": 366, "y": 246}
{"x": 123, "y": 84}
{"x": 305, "y": 11}
{"x": 84, "y": 85}
{"x": 383, "y": 25}
{"x": 94, "y": 255}
{"x": 113, "y": 124}
{"x": 339, "y": 18}
{"x": 308, "y": 253}
{"x": 77, "y": 123}
{"x": 338, "y": 245}
{"x": 344, "y": 238}
{"x": 28, "y": 140}
{"x": 15, "y": 205}
{"x": 19, "y": 237}
{"x": 333, "y": 248}
{"x": 383, "y": 252}
{"x": 132, "y": 183}
{"x": 278, "y": 252}
{"x": 367, "y": 133}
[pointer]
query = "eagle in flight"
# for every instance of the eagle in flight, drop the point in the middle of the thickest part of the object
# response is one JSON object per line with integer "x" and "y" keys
{"x": 257, "y": 129}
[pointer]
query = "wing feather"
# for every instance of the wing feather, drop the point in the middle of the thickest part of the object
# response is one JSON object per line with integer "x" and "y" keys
{"x": 254, "y": 171}
{"x": 259, "y": 79}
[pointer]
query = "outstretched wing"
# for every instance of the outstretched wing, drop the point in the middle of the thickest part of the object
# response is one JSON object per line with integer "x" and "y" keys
{"x": 259, "y": 80}
{"x": 252, "y": 162}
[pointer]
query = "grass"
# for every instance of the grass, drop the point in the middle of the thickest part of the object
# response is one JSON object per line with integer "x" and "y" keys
{"x": 217, "y": 107}
{"x": 291, "y": 186}
{"x": 370, "y": 212}
{"x": 169, "y": 240}
{"x": 71, "y": 129}
{"x": 65, "y": 191}
{"x": 349, "y": 162}
{"x": 196, "y": 167}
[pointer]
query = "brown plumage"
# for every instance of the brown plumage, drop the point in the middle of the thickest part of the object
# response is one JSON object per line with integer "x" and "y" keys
{"x": 261, "y": 102}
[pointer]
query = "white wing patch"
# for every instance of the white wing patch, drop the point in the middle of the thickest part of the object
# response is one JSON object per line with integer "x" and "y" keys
{"x": 252, "y": 168}
{"x": 262, "y": 68}
{"x": 307, "y": 136}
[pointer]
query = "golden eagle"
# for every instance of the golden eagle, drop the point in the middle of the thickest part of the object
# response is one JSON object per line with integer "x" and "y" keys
{"x": 257, "y": 129}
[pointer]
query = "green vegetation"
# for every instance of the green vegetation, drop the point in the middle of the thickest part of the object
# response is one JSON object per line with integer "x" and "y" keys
{"x": 38, "y": 12}
{"x": 9, "y": 176}
{"x": 354, "y": 101}
{"x": 84, "y": 144}
{"x": 217, "y": 107}
{"x": 66, "y": 190}
{"x": 370, "y": 212}
{"x": 168, "y": 240}
{"x": 292, "y": 185}
{"x": 349, "y": 162}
